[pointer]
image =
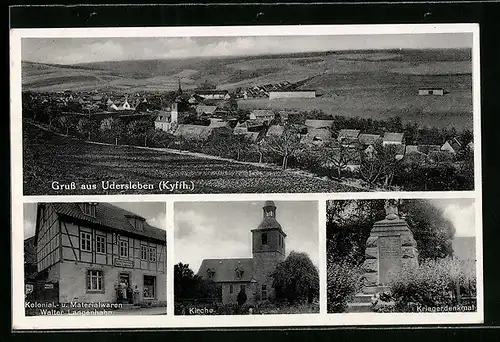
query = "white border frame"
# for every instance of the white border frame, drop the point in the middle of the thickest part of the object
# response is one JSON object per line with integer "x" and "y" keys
{"x": 20, "y": 321}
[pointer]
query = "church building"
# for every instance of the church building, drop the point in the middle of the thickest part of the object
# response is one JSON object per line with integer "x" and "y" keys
{"x": 251, "y": 275}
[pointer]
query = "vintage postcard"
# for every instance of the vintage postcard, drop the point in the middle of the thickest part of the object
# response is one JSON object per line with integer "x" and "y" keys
{"x": 257, "y": 176}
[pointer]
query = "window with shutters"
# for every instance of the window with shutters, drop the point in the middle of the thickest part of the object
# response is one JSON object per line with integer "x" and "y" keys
{"x": 86, "y": 241}
{"x": 95, "y": 281}
{"x": 123, "y": 249}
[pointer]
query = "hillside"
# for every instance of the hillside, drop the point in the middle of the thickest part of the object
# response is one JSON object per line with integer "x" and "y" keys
{"x": 377, "y": 84}
{"x": 231, "y": 72}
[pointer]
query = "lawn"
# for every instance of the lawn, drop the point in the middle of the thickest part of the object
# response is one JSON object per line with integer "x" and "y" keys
{"x": 48, "y": 157}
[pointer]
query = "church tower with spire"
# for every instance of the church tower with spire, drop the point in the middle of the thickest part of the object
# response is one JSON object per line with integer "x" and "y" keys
{"x": 268, "y": 249}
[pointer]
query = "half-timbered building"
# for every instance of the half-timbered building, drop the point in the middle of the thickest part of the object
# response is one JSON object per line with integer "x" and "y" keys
{"x": 98, "y": 252}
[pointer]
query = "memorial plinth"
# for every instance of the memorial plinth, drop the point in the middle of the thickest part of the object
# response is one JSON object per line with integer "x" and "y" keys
{"x": 390, "y": 248}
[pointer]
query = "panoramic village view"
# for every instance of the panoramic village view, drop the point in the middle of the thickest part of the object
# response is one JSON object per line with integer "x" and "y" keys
{"x": 247, "y": 114}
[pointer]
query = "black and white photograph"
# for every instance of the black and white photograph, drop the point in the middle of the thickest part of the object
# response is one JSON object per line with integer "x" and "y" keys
{"x": 95, "y": 259}
{"x": 244, "y": 258}
{"x": 408, "y": 256}
{"x": 263, "y": 113}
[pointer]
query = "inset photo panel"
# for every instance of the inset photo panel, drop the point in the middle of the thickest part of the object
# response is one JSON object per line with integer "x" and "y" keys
{"x": 403, "y": 256}
{"x": 95, "y": 259}
{"x": 246, "y": 257}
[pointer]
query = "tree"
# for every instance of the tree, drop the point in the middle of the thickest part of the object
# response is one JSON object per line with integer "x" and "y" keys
{"x": 65, "y": 123}
{"x": 240, "y": 144}
{"x": 187, "y": 285}
{"x": 380, "y": 162}
{"x": 284, "y": 145}
{"x": 242, "y": 297}
{"x": 86, "y": 127}
{"x": 432, "y": 231}
{"x": 113, "y": 128}
{"x": 339, "y": 155}
{"x": 296, "y": 278}
{"x": 138, "y": 129}
{"x": 349, "y": 224}
{"x": 466, "y": 169}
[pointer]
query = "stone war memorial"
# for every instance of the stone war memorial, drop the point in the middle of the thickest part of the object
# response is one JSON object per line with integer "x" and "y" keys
{"x": 389, "y": 248}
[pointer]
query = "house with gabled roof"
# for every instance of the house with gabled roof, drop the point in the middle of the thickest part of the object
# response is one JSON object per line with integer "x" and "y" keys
{"x": 98, "y": 252}
{"x": 251, "y": 275}
{"x": 452, "y": 146}
{"x": 317, "y": 136}
{"x": 200, "y": 133}
{"x": 213, "y": 94}
{"x": 391, "y": 138}
{"x": 205, "y": 110}
{"x": 275, "y": 130}
{"x": 369, "y": 139}
{"x": 310, "y": 123}
{"x": 348, "y": 135}
{"x": 262, "y": 115}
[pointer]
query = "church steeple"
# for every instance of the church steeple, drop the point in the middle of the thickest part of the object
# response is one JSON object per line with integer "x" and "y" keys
{"x": 179, "y": 91}
{"x": 269, "y": 209}
{"x": 269, "y": 236}
{"x": 268, "y": 250}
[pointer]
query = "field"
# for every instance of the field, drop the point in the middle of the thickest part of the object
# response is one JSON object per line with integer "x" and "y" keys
{"x": 48, "y": 157}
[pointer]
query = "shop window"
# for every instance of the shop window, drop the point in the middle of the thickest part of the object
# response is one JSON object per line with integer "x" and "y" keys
{"x": 149, "y": 286}
{"x": 95, "y": 280}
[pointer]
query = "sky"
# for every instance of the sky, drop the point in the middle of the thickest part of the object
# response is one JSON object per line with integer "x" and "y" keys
{"x": 205, "y": 230}
{"x": 83, "y": 50}
{"x": 461, "y": 212}
{"x": 154, "y": 213}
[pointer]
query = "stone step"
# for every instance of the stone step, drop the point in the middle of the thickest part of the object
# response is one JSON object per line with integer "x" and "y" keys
{"x": 359, "y": 307}
{"x": 362, "y": 298}
{"x": 374, "y": 289}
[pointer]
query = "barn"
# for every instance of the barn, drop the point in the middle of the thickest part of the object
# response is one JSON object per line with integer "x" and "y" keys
{"x": 431, "y": 91}
{"x": 295, "y": 94}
